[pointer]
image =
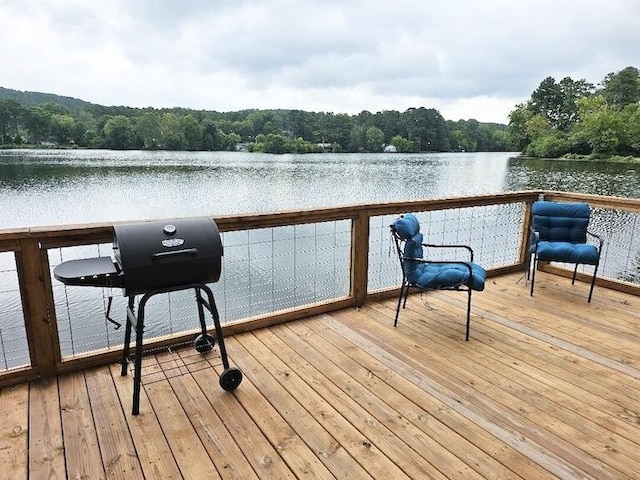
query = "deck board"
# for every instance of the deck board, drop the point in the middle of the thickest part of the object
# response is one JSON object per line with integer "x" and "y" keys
{"x": 547, "y": 387}
{"x": 46, "y": 448}
{"x": 82, "y": 453}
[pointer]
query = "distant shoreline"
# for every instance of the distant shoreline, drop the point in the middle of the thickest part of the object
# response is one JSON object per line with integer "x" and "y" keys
{"x": 586, "y": 158}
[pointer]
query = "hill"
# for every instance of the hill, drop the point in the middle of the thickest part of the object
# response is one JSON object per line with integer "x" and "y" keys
{"x": 29, "y": 99}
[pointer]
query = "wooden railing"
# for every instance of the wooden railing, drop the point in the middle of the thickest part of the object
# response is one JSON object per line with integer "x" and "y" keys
{"x": 31, "y": 247}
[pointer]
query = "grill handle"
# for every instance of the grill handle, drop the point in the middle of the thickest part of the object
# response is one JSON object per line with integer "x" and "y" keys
{"x": 185, "y": 251}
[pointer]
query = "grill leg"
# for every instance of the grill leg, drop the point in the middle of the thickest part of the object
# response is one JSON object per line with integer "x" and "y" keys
{"x": 203, "y": 324}
{"x": 211, "y": 306}
{"x": 137, "y": 372}
{"x": 127, "y": 337}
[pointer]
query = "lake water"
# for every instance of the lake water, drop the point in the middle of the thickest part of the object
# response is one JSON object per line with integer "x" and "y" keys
{"x": 260, "y": 275}
{"x": 54, "y": 187}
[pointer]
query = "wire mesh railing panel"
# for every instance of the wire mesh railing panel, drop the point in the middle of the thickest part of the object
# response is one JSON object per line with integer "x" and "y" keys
{"x": 274, "y": 269}
{"x": 264, "y": 271}
{"x": 492, "y": 231}
{"x": 14, "y": 349}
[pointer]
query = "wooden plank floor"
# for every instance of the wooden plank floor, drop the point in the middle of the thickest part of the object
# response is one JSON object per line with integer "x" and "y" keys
{"x": 547, "y": 387}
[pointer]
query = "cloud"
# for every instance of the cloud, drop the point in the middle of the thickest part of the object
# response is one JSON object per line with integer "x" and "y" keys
{"x": 466, "y": 58}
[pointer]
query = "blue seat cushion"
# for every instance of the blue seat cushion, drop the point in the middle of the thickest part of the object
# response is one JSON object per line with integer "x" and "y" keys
{"x": 567, "y": 252}
{"x": 446, "y": 275}
{"x": 430, "y": 275}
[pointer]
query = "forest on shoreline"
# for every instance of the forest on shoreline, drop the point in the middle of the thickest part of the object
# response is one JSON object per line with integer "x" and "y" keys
{"x": 36, "y": 119}
{"x": 569, "y": 118}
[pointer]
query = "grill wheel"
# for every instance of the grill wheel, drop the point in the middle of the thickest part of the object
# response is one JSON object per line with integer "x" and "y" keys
{"x": 230, "y": 378}
{"x": 204, "y": 343}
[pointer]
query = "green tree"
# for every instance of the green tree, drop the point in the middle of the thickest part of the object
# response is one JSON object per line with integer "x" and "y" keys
{"x": 357, "y": 139}
{"x": 11, "y": 113}
{"x": 210, "y": 137}
{"x": 622, "y": 88}
{"x": 192, "y": 132}
{"x": 299, "y": 123}
{"x": 337, "y": 130}
{"x": 149, "y": 130}
{"x": 427, "y": 128}
{"x": 599, "y": 126}
{"x": 275, "y": 143}
{"x": 556, "y": 102}
{"x": 172, "y": 131}
{"x": 374, "y": 139}
{"x": 38, "y": 123}
{"x": 403, "y": 145}
{"x": 229, "y": 141}
{"x": 62, "y": 127}
{"x": 517, "y": 126}
{"x": 631, "y": 120}
{"x": 118, "y": 132}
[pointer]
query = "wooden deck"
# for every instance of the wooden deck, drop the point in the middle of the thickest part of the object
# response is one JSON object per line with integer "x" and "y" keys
{"x": 547, "y": 387}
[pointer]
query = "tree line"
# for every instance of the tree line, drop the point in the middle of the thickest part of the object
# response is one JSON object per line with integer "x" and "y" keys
{"x": 62, "y": 121}
{"x": 577, "y": 118}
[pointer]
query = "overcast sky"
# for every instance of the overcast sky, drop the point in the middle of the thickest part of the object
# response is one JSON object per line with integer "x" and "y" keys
{"x": 466, "y": 58}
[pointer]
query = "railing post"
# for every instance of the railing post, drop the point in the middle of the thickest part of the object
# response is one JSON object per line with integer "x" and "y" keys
{"x": 360, "y": 257}
{"x": 524, "y": 239}
{"x": 37, "y": 304}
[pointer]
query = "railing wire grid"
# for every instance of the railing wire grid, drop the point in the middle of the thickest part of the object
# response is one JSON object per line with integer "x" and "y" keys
{"x": 274, "y": 269}
{"x": 14, "y": 349}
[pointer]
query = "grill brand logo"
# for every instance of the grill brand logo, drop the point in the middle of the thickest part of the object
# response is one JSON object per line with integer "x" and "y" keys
{"x": 172, "y": 242}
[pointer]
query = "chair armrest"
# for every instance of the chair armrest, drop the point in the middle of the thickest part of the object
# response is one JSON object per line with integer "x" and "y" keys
{"x": 534, "y": 238}
{"x": 598, "y": 237}
{"x": 535, "y": 234}
{"x": 466, "y": 247}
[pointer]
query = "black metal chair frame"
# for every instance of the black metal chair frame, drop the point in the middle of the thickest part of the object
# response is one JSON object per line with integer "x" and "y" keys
{"x": 406, "y": 285}
{"x": 230, "y": 377}
{"x": 533, "y": 261}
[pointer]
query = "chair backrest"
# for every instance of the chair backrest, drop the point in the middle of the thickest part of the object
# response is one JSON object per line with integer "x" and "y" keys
{"x": 406, "y": 230}
{"x": 561, "y": 222}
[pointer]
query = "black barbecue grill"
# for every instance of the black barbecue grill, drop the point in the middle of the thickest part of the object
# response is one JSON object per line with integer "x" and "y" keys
{"x": 153, "y": 258}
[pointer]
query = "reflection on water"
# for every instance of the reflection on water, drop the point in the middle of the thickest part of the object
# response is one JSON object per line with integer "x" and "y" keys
{"x": 75, "y": 186}
{"x": 51, "y": 187}
{"x": 598, "y": 178}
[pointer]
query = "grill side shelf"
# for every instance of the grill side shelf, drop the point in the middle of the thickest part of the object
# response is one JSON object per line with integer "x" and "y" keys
{"x": 91, "y": 272}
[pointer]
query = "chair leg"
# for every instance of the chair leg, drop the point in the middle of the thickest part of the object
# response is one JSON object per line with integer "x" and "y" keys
{"x": 593, "y": 282}
{"x": 468, "y": 316}
{"x": 395, "y": 323}
{"x": 533, "y": 272}
{"x": 575, "y": 271}
{"x": 406, "y": 296}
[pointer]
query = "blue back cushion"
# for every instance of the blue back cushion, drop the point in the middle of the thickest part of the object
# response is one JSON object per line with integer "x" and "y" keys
{"x": 561, "y": 222}
{"x": 408, "y": 228}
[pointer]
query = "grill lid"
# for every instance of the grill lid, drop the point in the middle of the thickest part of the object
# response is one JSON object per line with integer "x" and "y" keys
{"x": 157, "y": 255}
{"x": 152, "y": 256}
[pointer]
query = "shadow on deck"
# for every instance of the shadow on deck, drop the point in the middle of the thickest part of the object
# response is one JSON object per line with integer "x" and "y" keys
{"x": 546, "y": 387}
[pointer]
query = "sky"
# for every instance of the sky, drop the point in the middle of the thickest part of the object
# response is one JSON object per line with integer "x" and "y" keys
{"x": 468, "y": 59}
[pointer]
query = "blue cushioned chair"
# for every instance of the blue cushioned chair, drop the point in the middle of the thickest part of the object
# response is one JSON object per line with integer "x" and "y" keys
{"x": 423, "y": 274}
{"x": 559, "y": 234}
